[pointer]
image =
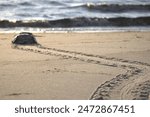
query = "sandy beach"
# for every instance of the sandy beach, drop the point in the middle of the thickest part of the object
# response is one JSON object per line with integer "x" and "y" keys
{"x": 82, "y": 66}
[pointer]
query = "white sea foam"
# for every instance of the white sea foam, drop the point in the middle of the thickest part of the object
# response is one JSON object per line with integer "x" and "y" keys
{"x": 60, "y": 9}
{"x": 76, "y": 10}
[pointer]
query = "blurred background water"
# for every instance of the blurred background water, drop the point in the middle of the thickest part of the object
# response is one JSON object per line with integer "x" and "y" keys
{"x": 59, "y": 9}
{"x": 53, "y": 10}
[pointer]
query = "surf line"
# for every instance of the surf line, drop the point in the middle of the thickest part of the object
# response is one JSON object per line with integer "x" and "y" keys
{"x": 106, "y": 90}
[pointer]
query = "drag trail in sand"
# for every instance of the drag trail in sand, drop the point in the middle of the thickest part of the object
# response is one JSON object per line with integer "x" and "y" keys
{"x": 129, "y": 85}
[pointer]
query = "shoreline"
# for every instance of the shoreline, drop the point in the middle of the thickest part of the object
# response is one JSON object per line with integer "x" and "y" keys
{"x": 101, "y": 65}
{"x": 75, "y": 29}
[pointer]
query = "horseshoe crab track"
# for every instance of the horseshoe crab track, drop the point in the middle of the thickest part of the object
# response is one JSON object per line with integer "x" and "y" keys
{"x": 119, "y": 87}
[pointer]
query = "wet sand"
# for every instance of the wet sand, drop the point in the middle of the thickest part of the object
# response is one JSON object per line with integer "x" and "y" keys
{"x": 104, "y": 65}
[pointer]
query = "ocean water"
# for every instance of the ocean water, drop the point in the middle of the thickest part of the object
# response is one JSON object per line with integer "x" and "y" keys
{"x": 74, "y": 13}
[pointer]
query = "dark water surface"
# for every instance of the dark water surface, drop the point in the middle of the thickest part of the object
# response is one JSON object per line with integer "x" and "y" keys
{"x": 74, "y": 13}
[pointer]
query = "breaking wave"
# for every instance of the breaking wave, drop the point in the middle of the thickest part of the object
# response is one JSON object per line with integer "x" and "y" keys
{"x": 79, "y": 22}
{"x": 117, "y": 7}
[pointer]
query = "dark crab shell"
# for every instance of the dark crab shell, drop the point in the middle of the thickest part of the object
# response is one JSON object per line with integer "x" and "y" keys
{"x": 24, "y": 38}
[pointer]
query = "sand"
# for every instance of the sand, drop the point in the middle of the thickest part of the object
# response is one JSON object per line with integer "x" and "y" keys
{"x": 102, "y": 65}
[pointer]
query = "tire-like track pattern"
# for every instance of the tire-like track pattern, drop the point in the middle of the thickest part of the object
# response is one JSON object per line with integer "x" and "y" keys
{"x": 106, "y": 90}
